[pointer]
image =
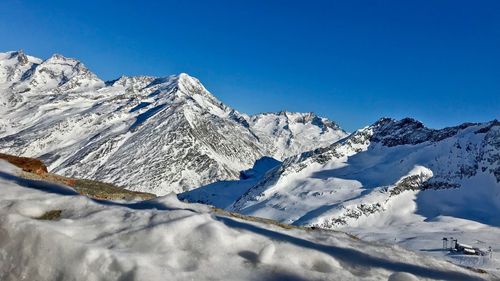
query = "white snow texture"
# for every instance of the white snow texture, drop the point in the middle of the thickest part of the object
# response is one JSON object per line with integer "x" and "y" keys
{"x": 165, "y": 239}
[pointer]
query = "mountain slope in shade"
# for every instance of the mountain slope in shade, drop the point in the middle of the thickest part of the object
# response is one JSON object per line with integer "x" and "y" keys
{"x": 222, "y": 194}
{"x": 151, "y": 134}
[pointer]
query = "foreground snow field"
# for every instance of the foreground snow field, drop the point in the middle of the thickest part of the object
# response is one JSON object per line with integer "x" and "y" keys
{"x": 165, "y": 239}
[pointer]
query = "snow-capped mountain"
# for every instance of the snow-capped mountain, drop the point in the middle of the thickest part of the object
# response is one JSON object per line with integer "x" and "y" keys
{"x": 391, "y": 172}
{"x": 291, "y": 133}
{"x": 145, "y": 133}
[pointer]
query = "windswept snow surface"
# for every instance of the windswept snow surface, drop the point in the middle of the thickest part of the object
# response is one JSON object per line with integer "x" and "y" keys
{"x": 165, "y": 239}
{"x": 150, "y": 134}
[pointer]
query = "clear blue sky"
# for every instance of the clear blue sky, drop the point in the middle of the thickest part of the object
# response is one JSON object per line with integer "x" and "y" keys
{"x": 437, "y": 61}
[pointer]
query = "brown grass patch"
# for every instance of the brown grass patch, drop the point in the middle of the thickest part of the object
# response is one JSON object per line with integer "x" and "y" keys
{"x": 30, "y": 165}
{"x": 51, "y": 215}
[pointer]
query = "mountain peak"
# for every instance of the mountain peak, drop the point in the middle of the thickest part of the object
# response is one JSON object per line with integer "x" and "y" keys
{"x": 14, "y": 64}
{"x": 185, "y": 80}
{"x": 191, "y": 86}
{"x": 184, "y": 75}
{"x": 131, "y": 81}
{"x": 57, "y": 59}
{"x": 393, "y": 132}
{"x": 21, "y": 57}
{"x": 57, "y": 73}
{"x": 405, "y": 122}
{"x": 181, "y": 79}
{"x": 57, "y": 56}
{"x": 18, "y": 57}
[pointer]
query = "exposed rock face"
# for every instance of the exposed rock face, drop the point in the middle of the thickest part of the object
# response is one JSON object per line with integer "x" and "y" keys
{"x": 146, "y": 133}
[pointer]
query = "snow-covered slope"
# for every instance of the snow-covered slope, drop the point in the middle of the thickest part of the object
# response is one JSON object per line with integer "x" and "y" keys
{"x": 394, "y": 181}
{"x": 164, "y": 239}
{"x": 146, "y": 133}
{"x": 389, "y": 172}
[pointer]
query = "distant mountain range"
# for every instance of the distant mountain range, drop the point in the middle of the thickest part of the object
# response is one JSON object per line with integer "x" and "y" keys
{"x": 151, "y": 134}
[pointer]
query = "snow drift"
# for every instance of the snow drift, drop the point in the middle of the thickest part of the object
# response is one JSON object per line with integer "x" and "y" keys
{"x": 164, "y": 238}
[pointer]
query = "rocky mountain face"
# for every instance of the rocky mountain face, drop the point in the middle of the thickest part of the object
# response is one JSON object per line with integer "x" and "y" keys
{"x": 150, "y": 134}
{"x": 393, "y": 170}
